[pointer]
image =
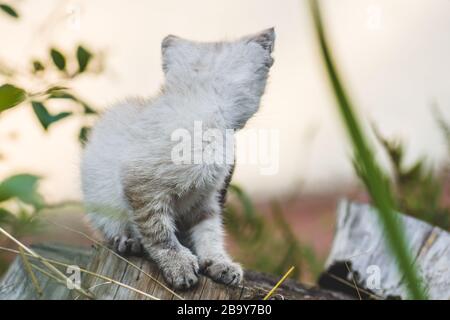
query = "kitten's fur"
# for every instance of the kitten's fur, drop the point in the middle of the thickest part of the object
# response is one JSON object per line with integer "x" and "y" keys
{"x": 137, "y": 196}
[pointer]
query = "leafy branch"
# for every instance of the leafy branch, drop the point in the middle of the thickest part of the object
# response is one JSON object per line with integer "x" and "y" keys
{"x": 11, "y": 95}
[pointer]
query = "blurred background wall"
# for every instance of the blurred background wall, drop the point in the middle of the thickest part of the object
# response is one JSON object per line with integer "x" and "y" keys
{"x": 394, "y": 56}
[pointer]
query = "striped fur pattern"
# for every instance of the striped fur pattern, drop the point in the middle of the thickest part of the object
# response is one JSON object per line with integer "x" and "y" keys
{"x": 134, "y": 192}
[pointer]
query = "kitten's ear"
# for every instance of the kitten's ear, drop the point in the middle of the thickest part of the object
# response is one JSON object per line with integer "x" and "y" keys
{"x": 265, "y": 39}
{"x": 168, "y": 41}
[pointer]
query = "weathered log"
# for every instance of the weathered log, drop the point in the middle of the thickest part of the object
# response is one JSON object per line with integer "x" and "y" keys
{"x": 16, "y": 284}
{"x": 360, "y": 257}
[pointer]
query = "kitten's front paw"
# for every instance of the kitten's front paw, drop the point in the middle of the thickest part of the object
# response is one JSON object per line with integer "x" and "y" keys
{"x": 223, "y": 271}
{"x": 181, "y": 270}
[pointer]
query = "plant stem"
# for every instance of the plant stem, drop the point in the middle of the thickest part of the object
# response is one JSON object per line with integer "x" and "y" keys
{"x": 44, "y": 262}
{"x": 376, "y": 183}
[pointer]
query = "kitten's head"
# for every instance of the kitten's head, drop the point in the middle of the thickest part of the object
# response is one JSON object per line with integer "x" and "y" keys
{"x": 236, "y": 70}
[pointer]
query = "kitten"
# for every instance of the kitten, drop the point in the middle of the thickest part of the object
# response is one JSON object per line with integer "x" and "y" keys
{"x": 133, "y": 190}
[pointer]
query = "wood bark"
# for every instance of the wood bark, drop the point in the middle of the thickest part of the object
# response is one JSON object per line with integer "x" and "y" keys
{"x": 359, "y": 266}
{"x": 16, "y": 284}
{"x": 360, "y": 255}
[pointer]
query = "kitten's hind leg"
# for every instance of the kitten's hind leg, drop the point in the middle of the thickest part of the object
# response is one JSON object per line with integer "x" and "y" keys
{"x": 117, "y": 232}
{"x": 153, "y": 216}
{"x": 125, "y": 244}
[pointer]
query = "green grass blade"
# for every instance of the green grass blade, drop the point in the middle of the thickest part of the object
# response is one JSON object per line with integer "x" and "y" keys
{"x": 376, "y": 182}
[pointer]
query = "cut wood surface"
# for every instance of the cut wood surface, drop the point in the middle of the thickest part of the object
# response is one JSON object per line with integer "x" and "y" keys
{"x": 359, "y": 254}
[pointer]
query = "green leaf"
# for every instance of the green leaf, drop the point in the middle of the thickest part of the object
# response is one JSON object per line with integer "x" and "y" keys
{"x": 10, "y": 96}
{"x": 6, "y": 217}
{"x": 88, "y": 109}
{"x": 58, "y": 59}
{"x": 45, "y": 118}
{"x": 23, "y": 187}
{"x": 62, "y": 95}
{"x": 83, "y": 57}
{"x": 244, "y": 199}
{"x": 376, "y": 181}
{"x": 9, "y": 10}
{"x": 26, "y": 223}
{"x": 38, "y": 66}
{"x": 83, "y": 135}
{"x": 65, "y": 95}
{"x": 56, "y": 90}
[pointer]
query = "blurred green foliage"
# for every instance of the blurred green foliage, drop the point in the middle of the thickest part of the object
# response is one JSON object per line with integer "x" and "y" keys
{"x": 58, "y": 59}
{"x": 266, "y": 242}
{"x": 44, "y": 117}
{"x": 418, "y": 188}
{"x": 22, "y": 187}
{"x": 20, "y": 201}
{"x": 10, "y": 11}
{"x": 10, "y": 96}
{"x": 83, "y": 58}
{"x": 375, "y": 180}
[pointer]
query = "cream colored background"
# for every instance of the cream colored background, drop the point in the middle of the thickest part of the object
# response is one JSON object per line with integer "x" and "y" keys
{"x": 395, "y": 69}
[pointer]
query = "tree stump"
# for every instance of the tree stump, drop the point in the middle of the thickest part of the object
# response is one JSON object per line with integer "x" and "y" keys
{"x": 361, "y": 265}
{"x": 16, "y": 283}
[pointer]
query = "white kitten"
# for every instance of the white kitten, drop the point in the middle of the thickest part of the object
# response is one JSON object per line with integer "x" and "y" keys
{"x": 133, "y": 190}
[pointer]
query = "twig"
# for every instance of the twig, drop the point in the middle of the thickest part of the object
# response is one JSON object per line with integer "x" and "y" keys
{"x": 353, "y": 279}
{"x": 48, "y": 274}
{"x": 343, "y": 281}
{"x": 111, "y": 280}
{"x": 96, "y": 286}
{"x": 43, "y": 261}
{"x": 30, "y": 272}
{"x": 279, "y": 283}
{"x": 117, "y": 255}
